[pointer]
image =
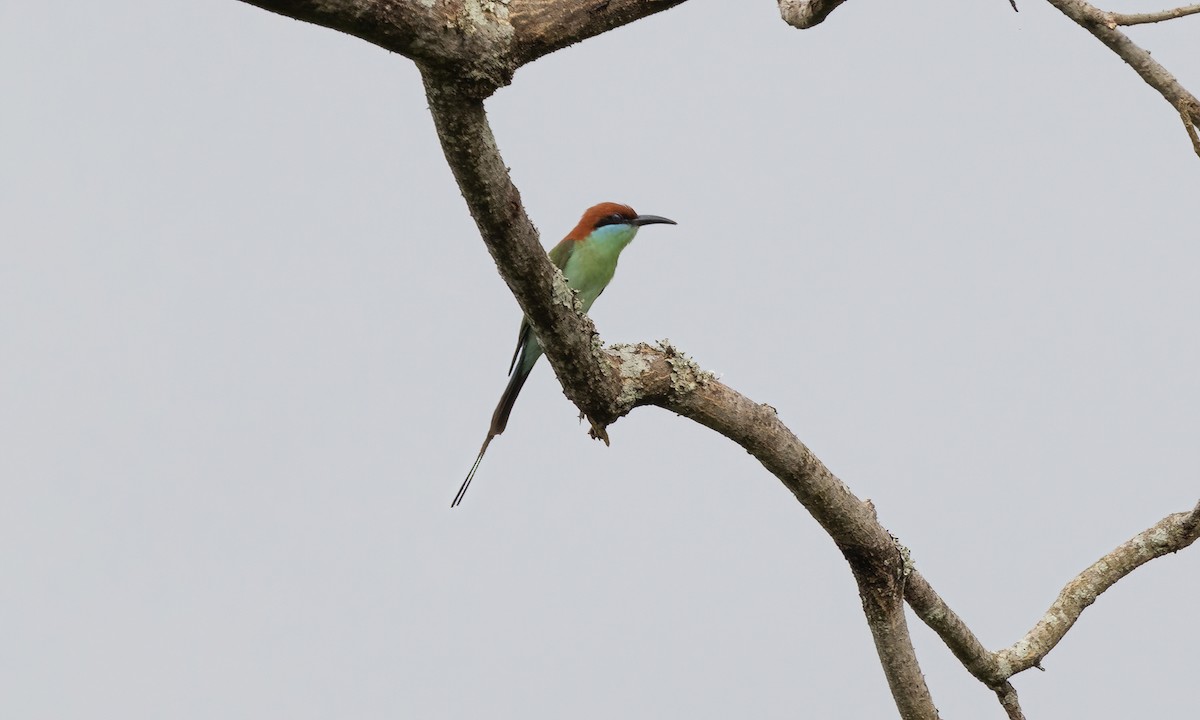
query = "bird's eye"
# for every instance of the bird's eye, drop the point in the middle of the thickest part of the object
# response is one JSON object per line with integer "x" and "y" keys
{"x": 614, "y": 219}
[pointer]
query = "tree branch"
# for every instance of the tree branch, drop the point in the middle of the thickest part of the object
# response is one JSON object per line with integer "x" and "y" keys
{"x": 481, "y": 42}
{"x": 544, "y": 26}
{"x": 804, "y": 14}
{"x": 665, "y": 377}
{"x": 935, "y": 613}
{"x": 1007, "y": 695}
{"x": 606, "y": 386}
{"x": 568, "y": 337}
{"x": 468, "y": 48}
{"x": 395, "y": 25}
{"x": 1190, "y": 128}
{"x": 1153, "y": 17}
{"x": 1104, "y": 27}
{"x": 977, "y": 659}
{"x": 1171, "y": 534}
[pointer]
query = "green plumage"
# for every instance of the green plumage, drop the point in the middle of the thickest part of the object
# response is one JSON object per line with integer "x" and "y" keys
{"x": 588, "y": 263}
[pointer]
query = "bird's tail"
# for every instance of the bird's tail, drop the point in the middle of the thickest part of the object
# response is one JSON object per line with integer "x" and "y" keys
{"x": 499, "y": 422}
{"x": 508, "y": 399}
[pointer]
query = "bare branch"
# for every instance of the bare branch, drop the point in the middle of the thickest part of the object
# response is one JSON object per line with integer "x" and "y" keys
{"x": 884, "y": 608}
{"x": 568, "y": 338}
{"x": 978, "y": 660}
{"x": 1189, "y": 126}
{"x": 544, "y": 26}
{"x": 804, "y": 14}
{"x": 396, "y": 25}
{"x": 929, "y": 606}
{"x": 1171, "y": 534}
{"x": 1007, "y": 695}
{"x": 1153, "y": 17}
{"x": 468, "y": 48}
{"x": 481, "y": 42}
{"x": 883, "y": 604}
{"x": 606, "y": 386}
{"x": 1104, "y": 27}
{"x": 664, "y": 377}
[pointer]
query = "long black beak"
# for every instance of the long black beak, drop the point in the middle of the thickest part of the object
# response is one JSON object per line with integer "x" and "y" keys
{"x": 641, "y": 220}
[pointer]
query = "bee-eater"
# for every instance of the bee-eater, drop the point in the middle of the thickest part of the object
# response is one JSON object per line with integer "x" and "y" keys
{"x": 587, "y": 257}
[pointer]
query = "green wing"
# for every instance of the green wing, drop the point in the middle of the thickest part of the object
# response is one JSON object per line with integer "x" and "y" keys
{"x": 559, "y": 255}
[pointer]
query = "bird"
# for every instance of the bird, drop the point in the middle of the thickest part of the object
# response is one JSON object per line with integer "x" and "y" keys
{"x": 587, "y": 257}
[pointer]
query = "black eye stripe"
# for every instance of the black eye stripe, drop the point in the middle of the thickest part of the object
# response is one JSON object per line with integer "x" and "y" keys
{"x": 614, "y": 219}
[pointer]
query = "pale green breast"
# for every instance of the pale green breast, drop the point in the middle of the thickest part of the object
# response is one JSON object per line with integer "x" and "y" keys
{"x": 594, "y": 261}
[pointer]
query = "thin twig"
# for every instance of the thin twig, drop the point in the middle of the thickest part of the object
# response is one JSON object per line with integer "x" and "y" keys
{"x": 1171, "y": 534}
{"x": 1152, "y": 17}
{"x": 1104, "y": 27}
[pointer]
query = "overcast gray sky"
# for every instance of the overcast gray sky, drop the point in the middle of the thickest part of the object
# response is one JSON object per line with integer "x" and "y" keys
{"x": 250, "y": 342}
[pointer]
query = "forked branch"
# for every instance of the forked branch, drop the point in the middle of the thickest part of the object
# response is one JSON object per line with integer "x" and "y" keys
{"x": 606, "y": 385}
{"x": 1169, "y": 535}
{"x": 1104, "y": 27}
{"x": 804, "y": 14}
{"x": 468, "y": 48}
